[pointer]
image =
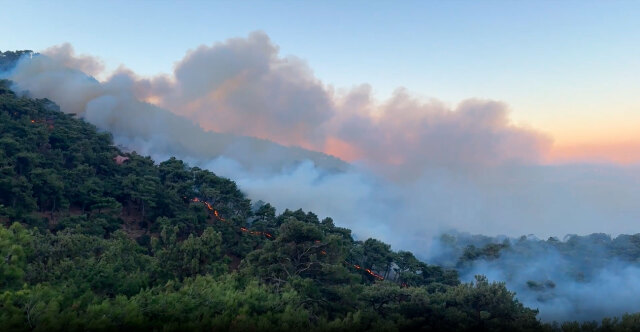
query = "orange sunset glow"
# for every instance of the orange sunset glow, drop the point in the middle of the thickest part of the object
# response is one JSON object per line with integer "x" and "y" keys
{"x": 619, "y": 153}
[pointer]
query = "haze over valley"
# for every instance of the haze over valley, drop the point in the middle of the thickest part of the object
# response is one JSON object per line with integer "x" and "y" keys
{"x": 464, "y": 183}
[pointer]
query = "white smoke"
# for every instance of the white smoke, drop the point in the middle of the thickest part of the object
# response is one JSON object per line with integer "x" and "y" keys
{"x": 243, "y": 86}
{"x": 418, "y": 166}
{"x": 580, "y": 278}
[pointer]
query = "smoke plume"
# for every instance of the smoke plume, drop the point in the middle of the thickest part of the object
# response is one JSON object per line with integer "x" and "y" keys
{"x": 402, "y": 170}
{"x": 243, "y": 86}
{"x": 581, "y": 277}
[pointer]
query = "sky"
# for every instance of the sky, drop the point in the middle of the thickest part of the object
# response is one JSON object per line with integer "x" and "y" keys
{"x": 494, "y": 117}
{"x": 570, "y": 69}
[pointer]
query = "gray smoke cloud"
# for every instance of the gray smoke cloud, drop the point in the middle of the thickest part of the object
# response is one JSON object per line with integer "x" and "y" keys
{"x": 582, "y": 278}
{"x": 112, "y": 106}
{"x": 243, "y": 86}
{"x": 416, "y": 167}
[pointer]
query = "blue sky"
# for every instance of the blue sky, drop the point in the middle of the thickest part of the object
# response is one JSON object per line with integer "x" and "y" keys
{"x": 570, "y": 68}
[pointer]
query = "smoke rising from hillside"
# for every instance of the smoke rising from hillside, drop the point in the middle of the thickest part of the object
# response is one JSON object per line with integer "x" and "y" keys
{"x": 243, "y": 86}
{"x": 417, "y": 167}
{"x": 585, "y": 278}
{"x": 426, "y": 167}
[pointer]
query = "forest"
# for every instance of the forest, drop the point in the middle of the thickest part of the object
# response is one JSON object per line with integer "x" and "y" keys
{"x": 96, "y": 238}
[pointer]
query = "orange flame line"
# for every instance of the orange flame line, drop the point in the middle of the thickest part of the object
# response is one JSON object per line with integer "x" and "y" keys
{"x": 217, "y": 215}
{"x": 371, "y": 273}
{"x": 209, "y": 207}
{"x": 245, "y": 230}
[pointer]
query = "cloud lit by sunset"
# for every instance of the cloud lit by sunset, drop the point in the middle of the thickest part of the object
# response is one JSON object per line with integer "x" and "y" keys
{"x": 304, "y": 150}
{"x": 476, "y": 117}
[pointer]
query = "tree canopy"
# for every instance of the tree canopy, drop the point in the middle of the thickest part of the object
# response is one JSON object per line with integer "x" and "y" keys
{"x": 95, "y": 238}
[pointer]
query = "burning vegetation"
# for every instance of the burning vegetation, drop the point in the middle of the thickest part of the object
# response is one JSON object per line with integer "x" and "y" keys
{"x": 217, "y": 216}
{"x": 87, "y": 244}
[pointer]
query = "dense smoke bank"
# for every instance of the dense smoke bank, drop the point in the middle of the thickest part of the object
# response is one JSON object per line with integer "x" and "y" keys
{"x": 581, "y": 277}
{"x": 416, "y": 168}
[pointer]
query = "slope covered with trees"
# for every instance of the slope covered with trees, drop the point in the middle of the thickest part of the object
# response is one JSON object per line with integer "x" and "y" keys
{"x": 93, "y": 238}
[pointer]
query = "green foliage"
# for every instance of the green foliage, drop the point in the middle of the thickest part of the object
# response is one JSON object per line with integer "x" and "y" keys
{"x": 197, "y": 255}
{"x": 90, "y": 244}
{"x": 8, "y": 59}
{"x": 15, "y": 244}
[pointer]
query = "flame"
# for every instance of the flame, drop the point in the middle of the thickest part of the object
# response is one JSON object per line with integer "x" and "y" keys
{"x": 371, "y": 273}
{"x": 215, "y": 213}
{"x": 375, "y": 275}
{"x": 268, "y": 235}
{"x": 209, "y": 207}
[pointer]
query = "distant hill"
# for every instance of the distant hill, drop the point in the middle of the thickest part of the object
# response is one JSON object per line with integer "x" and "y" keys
{"x": 167, "y": 133}
{"x": 8, "y": 59}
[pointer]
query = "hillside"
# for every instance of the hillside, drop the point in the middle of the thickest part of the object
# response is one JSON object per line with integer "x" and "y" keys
{"x": 93, "y": 238}
{"x": 161, "y": 131}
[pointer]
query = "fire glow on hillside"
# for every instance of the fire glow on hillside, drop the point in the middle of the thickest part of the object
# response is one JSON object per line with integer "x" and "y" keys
{"x": 268, "y": 235}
